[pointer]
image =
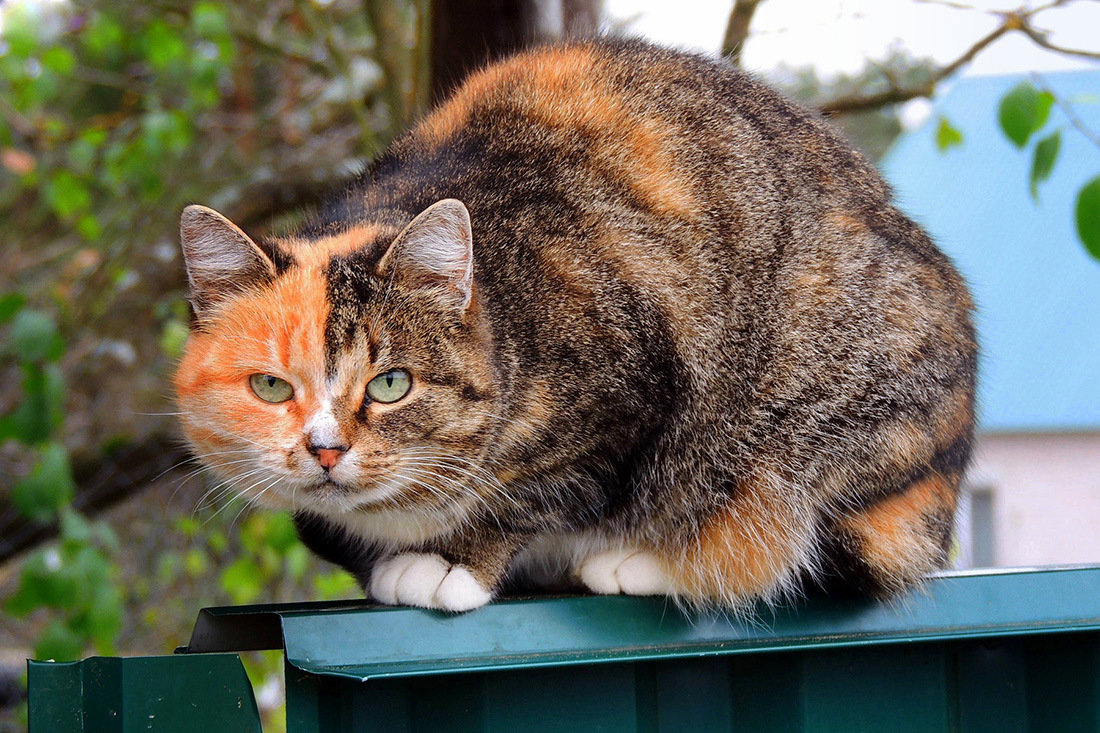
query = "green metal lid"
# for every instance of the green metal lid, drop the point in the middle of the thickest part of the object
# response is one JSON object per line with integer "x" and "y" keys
{"x": 359, "y": 640}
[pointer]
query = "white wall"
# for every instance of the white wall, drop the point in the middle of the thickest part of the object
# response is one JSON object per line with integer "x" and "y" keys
{"x": 1046, "y": 496}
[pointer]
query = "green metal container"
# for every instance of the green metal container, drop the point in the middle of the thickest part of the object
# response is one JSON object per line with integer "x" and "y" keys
{"x": 1010, "y": 651}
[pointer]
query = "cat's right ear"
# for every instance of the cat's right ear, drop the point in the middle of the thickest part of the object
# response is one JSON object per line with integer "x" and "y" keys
{"x": 221, "y": 260}
{"x": 436, "y": 250}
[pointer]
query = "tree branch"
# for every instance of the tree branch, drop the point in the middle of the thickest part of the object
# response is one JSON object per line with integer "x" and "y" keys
{"x": 737, "y": 29}
{"x": 1068, "y": 111}
{"x": 262, "y": 44}
{"x": 1040, "y": 39}
{"x": 861, "y": 103}
{"x": 1013, "y": 20}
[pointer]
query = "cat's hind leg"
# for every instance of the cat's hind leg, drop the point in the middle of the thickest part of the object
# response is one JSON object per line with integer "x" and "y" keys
{"x": 754, "y": 547}
{"x": 891, "y": 543}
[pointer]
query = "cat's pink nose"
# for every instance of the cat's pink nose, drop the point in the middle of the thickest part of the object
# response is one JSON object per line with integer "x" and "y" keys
{"x": 328, "y": 457}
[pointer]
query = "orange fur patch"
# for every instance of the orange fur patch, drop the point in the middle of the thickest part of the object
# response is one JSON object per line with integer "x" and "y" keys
{"x": 751, "y": 548}
{"x": 893, "y": 534}
{"x": 315, "y": 254}
{"x": 278, "y": 331}
{"x": 847, "y": 223}
{"x": 555, "y": 66}
{"x": 561, "y": 88}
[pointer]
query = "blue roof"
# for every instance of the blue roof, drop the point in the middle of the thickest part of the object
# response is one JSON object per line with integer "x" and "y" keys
{"x": 1037, "y": 290}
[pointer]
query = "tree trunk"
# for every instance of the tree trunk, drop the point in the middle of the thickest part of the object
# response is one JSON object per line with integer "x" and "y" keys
{"x": 468, "y": 34}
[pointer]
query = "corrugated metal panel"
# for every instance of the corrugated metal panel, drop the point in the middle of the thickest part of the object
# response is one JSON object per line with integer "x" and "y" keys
{"x": 207, "y": 693}
{"x": 1004, "y": 651}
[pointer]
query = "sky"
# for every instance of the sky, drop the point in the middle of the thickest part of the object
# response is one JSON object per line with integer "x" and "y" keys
{"x": 838, "y": 35}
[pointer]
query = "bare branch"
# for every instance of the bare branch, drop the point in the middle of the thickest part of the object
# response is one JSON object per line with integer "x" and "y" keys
{"x": 737, "y": 30}
{"x": 861, "y": 103}
{"x": 1011, "y": 20}
{"x": 262, "y": 44}
{"x": 1040, "y": 39}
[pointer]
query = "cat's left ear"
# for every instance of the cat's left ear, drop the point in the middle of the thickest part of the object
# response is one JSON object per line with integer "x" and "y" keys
{"x": 436, "y": 250}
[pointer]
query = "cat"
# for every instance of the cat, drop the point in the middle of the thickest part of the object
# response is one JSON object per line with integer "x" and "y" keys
{"x": 610, "y": 314}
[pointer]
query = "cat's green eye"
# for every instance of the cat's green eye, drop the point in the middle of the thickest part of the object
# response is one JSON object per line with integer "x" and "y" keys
{"x": 270, "y": 389}
{"x": 389, "y": 386}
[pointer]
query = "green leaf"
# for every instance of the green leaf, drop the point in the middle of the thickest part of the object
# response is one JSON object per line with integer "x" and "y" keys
{"x": 164, "y": 46}
{"x": 10, "y": 304}
{"x": 217, "y": 541}
{"x": 102, "y": 619}
{"x": 187, "y": 526}
{"x": 1088, "y": 216}
{"x": 35, "y": 338}
{"x": 281, "y": 534}
{"x": 195, "y": 562}
{"x": 242, "y": 581}
{"x": 76, "y": 530}
{"x": 209, "y": 20}
{"x": 59, "y": 60}
{"x": 1042, "y": 161}
{"x": 947, "y": 136}
{"x": 84, "y": 151}
{"x": 88, "y": 227}
{"x": 105, "y": 537}
{"x": 173, "y": 337}
{"x": 59, "y": 643}
{"x": 44, "y": 582}
{"x": 103, "y": 36}
{"x": 67, "y": 194}
{"x": 20, "y": 31}
{"x": 1023, "y": 110}
{"x": 166, "y": 131}
{"x": 41, "y": 411}
{"x": 335, "y": 585}
{"x": 49, "y": 486}
{"x": 297, "y": 561}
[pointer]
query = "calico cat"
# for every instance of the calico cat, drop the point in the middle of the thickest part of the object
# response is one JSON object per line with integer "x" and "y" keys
{"x": 610, "y": 313}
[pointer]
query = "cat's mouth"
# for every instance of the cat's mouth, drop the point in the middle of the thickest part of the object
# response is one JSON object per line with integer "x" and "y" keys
{"x": 345, "y": 496}
{"x": 328, "y": 486}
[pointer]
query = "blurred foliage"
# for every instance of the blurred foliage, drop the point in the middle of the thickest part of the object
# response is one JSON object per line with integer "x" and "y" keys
{"x": 113, "y": 116}
{"x": 1023, "y": 113}
{"x": 75, "y": 577}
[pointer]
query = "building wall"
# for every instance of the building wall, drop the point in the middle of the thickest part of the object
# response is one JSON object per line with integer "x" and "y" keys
{"x": 1044, "y": 495}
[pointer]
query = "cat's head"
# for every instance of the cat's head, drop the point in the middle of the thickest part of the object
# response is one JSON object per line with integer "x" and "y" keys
{"x": 344, "y": 374}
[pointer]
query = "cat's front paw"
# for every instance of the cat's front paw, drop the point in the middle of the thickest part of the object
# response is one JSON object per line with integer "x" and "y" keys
{"x": 630, "y": 572}
{"x": 428, "y": 581}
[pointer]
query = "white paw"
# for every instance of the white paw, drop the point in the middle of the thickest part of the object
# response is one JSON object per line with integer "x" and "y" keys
{"x": 631, "y": 572}
{"x": 428, "y": 581}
